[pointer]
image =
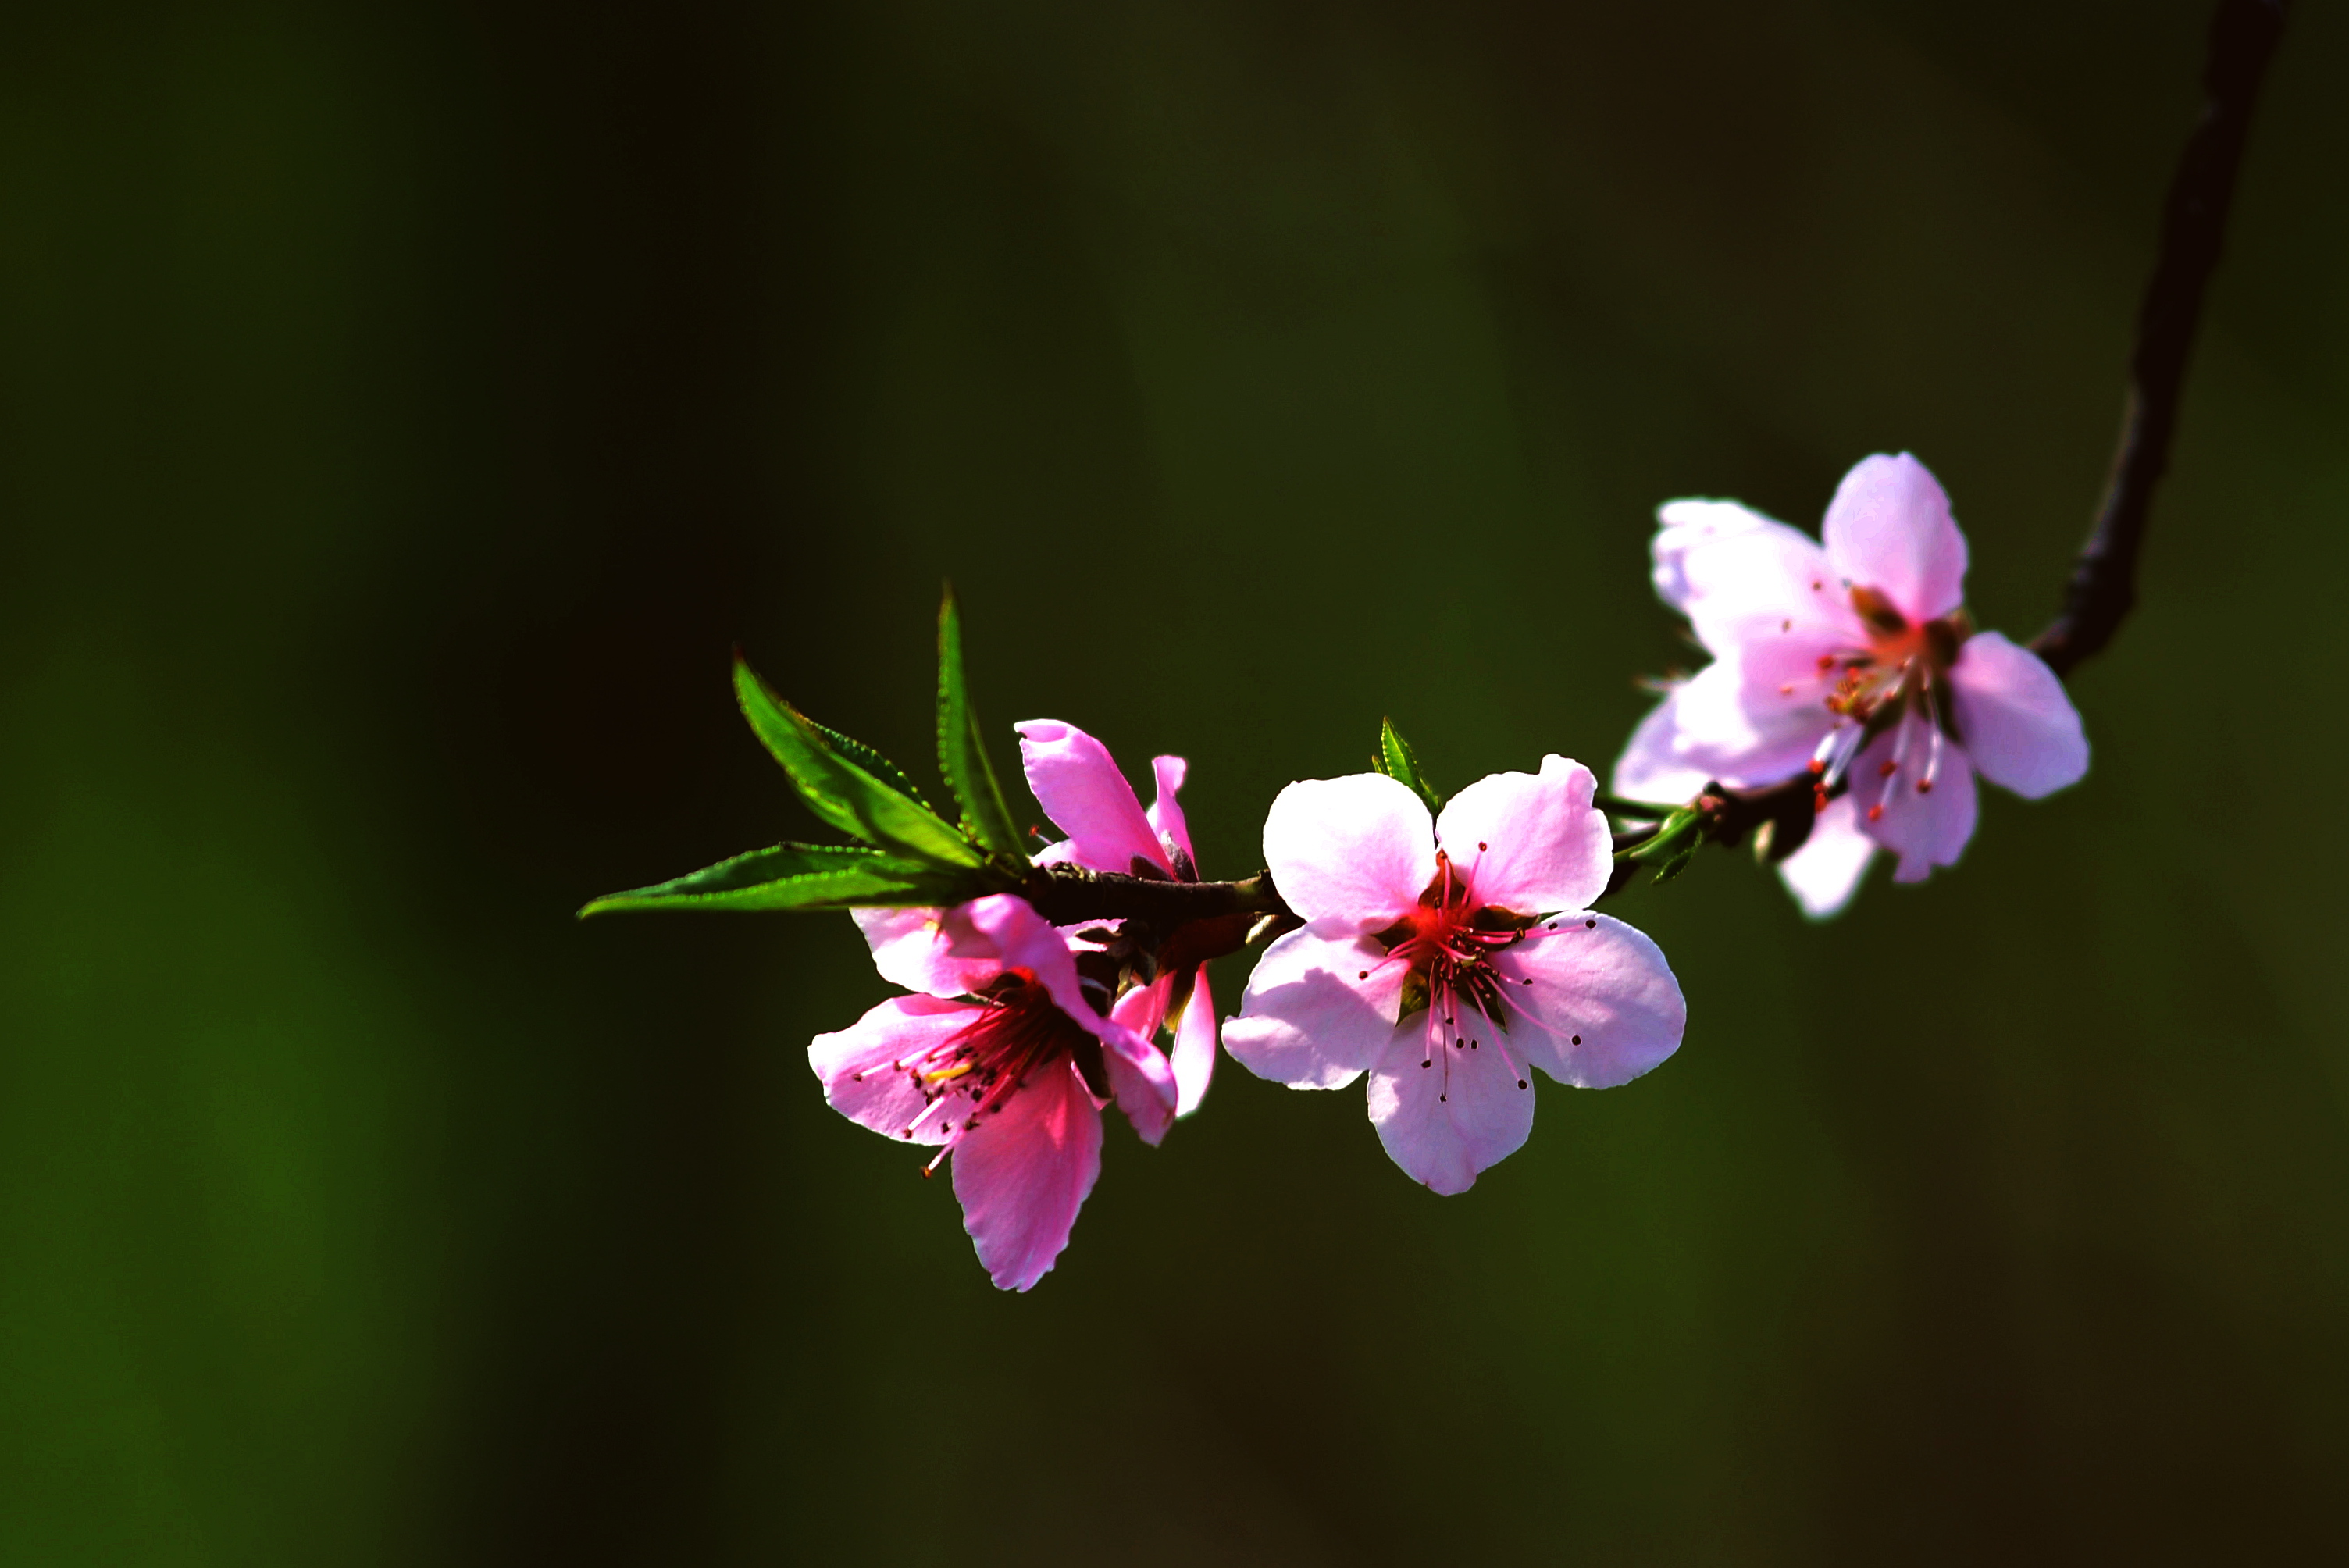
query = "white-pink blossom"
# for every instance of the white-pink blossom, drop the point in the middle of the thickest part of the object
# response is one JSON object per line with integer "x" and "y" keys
{"x": 999, "y": 1059}
{"x": 1448, "y": 958}
{"x": 1850, "y": 657}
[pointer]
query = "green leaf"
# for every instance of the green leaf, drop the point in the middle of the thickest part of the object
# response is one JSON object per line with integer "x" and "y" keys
{"x": 804, "y": 876}
{"x": 1398, "y": 761}
{"x": 1682, "y": 831}
{"x": 871, "y": 761}
{"x": 962, "y": 750}
{"x": 840, "y": 790}
{"x": 1650, "y": 811}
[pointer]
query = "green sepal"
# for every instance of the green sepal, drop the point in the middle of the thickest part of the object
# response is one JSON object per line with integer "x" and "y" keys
{"x": 804, "y": 876}
{"x": 962, "y": 750}
{"x": 840, "y": 791}
{"x": 1396, "y": 759}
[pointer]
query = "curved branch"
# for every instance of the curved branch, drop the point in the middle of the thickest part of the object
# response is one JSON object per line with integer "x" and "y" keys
{"x": 2103, "y": 587}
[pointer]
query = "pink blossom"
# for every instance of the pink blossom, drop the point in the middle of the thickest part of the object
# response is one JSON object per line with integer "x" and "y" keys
{"x": 1000, "y": 1060}
{"x": 1851, "y": 657}
{"x": 1082, "y": 791}
{"x": 1449, "y": 957}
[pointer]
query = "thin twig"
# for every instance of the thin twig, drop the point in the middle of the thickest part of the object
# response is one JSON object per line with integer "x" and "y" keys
{"x": 2103, "y": 586}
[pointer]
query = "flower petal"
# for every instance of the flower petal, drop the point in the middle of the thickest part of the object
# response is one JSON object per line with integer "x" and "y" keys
{"x": 1602, "y": 1005}
{"x": 1652, "y": 767}
{"x": 1925, "y": 828}
{"x": 1318, "y": 1010}
{"x": 858, "y": 1065}
{"x": 1141, "y": 1079}
{"x": 1690, "y": 525}
{"x": 2020, "y": 728}
{"x": 1530, "y": 843}
{"x": 1078, "y": 783}
{"x": 1359, "y": 849}
{"x": 1023, "y": 1173}
{"x": 911, "y": 949}
{"x": 1193, "y": 1057}
{"x": 1004, "y": 931}
{"x": 1745, "y": 720}
{"x": 1765, "y": 582}
{"x": 1888, "y": 528}
{"x": 1825, "y": 871}
{"x": 1167, "y": 823}
{"x": 1446, "y": 1112}
{"x": 1143, "y": 1008}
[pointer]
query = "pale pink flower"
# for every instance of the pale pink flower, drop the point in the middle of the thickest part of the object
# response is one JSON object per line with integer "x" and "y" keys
{"x": 999, "y": 1059}
{"x": 1448, "y": 958}
{"x": 1082, "y": 791}
{"x": 1850, "y": 657}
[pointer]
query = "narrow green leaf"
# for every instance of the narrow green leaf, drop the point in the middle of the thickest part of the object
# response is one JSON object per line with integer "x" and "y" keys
{"x": 1681, "y": 829}
{"x": 962, "y": 749}
{"x": 1616, "y": 806}
{"x": 839, "y": 790}
{"x": 871, "y": 761}
{"x": 804, "y": 876}
{"x": 1398, "y": 761}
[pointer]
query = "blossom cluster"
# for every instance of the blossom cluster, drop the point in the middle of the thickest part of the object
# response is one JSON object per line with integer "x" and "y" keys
{"x": 1449, "y": 951}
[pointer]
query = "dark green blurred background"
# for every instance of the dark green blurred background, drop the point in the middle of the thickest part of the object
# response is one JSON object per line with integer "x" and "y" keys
{"x": 406, "y": 408}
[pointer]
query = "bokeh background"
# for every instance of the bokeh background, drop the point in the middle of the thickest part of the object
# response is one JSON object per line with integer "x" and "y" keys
{"x": 405, "y": 407}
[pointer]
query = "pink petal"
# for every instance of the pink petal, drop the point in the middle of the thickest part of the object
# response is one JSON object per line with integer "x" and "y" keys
{"x": 1143, "y": 1008}
{"x": 1320, "y": 1008}
{"x": 911, "y": 949}
{"x": 1764, "y": 582}
{"x": 858, "y": 1064}
{"x": 1446, "y": 1113}
{"x": 1888, "y": 528}
{"x": 1603, "y": 1007}
{"x": 1744, "y": 723}
{"x": 1078, "y": 784}
{"x": 1141, "y": 1079}
{"x": 1688, "y": 526}
{"x": 1925, "y": 830}
{"x": 1024, "y": 1173}
{"x": 2020, "y": 728}
{"x": 1652, "y": 766}
{"x": 1166, "y": 812}
{"x": 1825, "y": 871}
{"x": 1004, "y": 931}
{"x": 1359, "y": 849}
{"x": 1194, "y": 1047}
{"x": 1529, "y": 842}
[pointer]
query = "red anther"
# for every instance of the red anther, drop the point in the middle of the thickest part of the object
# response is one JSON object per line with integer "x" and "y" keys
{"x": 1886, "y": 768}
{"x": 1827, "y": 663}
{"x": 1818, "y": 766}
{"x": 1818, "y": 797}
{"x": 1876, "y": 813}
{"x": 1924, "y": 785}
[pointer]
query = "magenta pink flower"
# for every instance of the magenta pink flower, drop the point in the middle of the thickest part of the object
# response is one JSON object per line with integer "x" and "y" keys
{"x": 1082, "y": 791}
{"x": 1850, "y": 658}
{"x": 999, "y": 1059}
{"x": 1449, "y": 958}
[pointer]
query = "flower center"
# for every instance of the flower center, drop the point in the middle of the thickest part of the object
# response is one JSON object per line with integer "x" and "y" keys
{"x": 1900, "y": 673}
{"x": 970, "y": 1074}
{"x": 1449, "y": 941}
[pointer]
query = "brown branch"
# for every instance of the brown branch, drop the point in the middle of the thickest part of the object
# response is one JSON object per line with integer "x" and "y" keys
{"x": 2103, "y": 587}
